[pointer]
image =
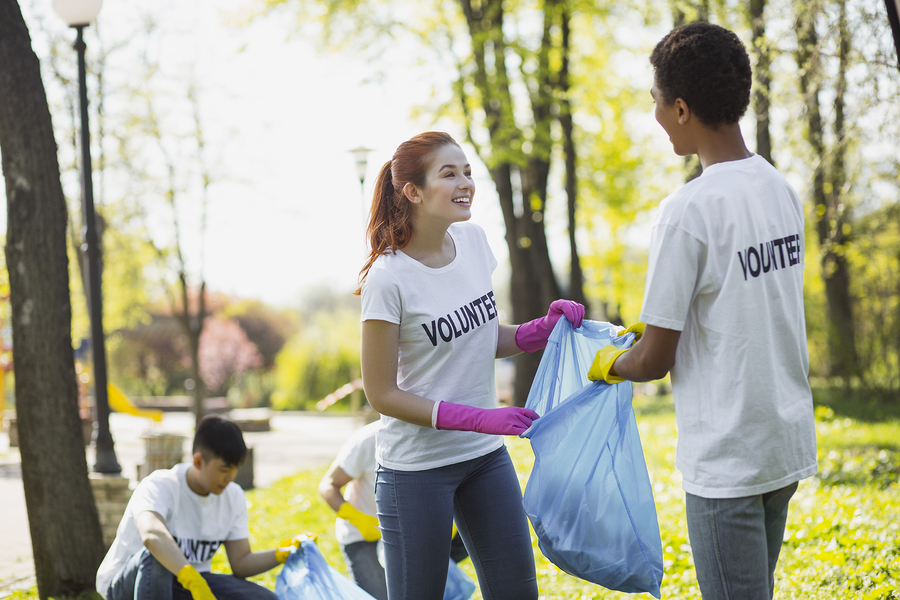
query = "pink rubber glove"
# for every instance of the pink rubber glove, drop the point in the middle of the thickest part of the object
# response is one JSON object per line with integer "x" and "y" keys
{"x": 532, "y": 336}
{"x": 509, "y": 420}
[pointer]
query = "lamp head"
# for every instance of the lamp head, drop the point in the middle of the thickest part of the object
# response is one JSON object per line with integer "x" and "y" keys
{"x": 77, "y": 12}
{"x": 361, "y": 155}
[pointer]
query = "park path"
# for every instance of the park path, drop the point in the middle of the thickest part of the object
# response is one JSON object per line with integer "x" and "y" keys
{"x": 296, "y": 442}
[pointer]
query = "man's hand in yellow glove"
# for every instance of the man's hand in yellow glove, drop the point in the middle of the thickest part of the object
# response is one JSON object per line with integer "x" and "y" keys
{"x": 285, "y": 548}
{"x": 637, "y": 329}
{"x": 193, "y": 582}
{"x": 367, "y": 524}
{"x": 603, "y": 362}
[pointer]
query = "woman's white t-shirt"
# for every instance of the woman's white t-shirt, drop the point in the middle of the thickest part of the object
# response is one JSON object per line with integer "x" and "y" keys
{"x": 448, "y": 343}
{"x": 199, "y": 524}
{"x": 726, "y": 269}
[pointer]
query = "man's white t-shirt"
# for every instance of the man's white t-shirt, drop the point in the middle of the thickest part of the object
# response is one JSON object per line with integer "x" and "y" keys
{"x": 726, "y": 269}
{"x": 448, "y": 343}
{"x": 199, "y": 524}
{"x": 357, "y": 459}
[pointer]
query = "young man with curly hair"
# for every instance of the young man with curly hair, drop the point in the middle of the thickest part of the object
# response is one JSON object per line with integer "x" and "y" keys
{"x": 723, "y": 311}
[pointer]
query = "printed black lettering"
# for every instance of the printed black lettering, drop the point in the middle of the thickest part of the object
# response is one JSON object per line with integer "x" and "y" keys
{"x": 751, "y": 253}
{"x": 770, "y": 246}
{"x": 473, "y": 317}
{"x": 204, "y": 545}
{"x": 464, "y": 326}
{"x": 489, "y": 307}
{"x": 477, "y": 303}
{"x": 493, "y": 301}
{"x": 797, "y": 248}
{"x": 432, "y": 335}
{"x": 743, "y": 266}
{"x": 764, "y": 253}
{"x": 440, "y": 325}
{"x": 195, "y": 547}
{"x": 456, "y": 332}
{"x": 779, "y": 243}
{"x": 791, "y": 250}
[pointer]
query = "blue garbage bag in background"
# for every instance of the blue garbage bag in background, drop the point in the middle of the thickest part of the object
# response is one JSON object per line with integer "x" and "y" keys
{"x": 307, "y": 576}
{"x": 589, "y": 496}
{"x": 459, "y": 585}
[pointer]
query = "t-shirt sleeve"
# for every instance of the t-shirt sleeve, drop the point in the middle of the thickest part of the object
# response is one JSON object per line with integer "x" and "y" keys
{"x": 155, "y": 494}
{"x": 240, "y": 530}
{"x": 357, "y": 457}
{"x": 380, "y": 297}
{"x": 674, "y": 266}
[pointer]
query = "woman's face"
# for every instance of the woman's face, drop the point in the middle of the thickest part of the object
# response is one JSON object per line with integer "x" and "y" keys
{"x": 449, "y": 189}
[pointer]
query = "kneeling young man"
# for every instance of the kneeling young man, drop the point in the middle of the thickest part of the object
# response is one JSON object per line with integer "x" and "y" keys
{"x": 177, "y": 519}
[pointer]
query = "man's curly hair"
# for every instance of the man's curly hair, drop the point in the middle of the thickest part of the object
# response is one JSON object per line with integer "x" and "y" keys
{"x": 706, "y": 66}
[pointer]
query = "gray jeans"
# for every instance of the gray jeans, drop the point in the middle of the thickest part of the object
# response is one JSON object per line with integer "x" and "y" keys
{"x": 364, "y": 568}
{"x": 736, "y": 542}
{"x": 144, "y": 578}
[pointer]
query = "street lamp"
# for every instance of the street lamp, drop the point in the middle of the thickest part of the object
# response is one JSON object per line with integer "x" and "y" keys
{"x": 360, "y": 155}
{"x": 79, "y": 14}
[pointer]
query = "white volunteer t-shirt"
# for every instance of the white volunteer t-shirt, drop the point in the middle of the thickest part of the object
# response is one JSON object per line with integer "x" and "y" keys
{"x": 357, "y": 459}
{"x": 448, "y": 343}
{"x": 726, "y": 269}
{"x": 199, "y": 524}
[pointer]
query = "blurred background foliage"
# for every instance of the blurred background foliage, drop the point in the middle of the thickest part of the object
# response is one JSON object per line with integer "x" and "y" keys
{"x": 828, "y": 105}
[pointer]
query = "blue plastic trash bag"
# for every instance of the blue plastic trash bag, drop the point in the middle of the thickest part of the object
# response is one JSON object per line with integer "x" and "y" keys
{"x": 306, "y": 576}
{"x": 459, "y": 585}
{"x": 589, "y": 496}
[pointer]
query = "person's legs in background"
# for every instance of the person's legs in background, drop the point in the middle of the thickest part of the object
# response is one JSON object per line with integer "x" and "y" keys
{"x": 142, "y": 578}
{"x": 364, "y": 569}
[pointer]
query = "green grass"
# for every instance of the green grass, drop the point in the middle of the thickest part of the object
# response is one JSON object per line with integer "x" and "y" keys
{"x": 842, "y": 539}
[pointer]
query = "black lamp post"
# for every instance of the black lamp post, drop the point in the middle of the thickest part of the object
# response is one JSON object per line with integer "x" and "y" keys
{"x": 79, "y": 14}
{"x": 361, "y": 156}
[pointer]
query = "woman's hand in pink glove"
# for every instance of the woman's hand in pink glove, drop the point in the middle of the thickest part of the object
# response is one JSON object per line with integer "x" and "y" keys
{"x": 532, "y": 336}
{"x": 509, "y": 420}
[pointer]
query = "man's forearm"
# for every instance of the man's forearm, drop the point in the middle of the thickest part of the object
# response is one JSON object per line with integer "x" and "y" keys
{"x": 255, "y": 563}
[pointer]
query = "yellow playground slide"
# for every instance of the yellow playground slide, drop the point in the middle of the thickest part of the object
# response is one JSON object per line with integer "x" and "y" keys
{"x": 119, "y": 402}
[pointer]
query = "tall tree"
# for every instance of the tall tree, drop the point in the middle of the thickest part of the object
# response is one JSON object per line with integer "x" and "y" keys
{"x": 762, "y": 88}
{"x": 828, "y": 184}
{"x": 62, "y": 516}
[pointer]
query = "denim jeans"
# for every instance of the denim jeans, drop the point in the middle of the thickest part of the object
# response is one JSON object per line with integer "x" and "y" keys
{"x": 736, "y": 542}
{"x": 416, "y": 510}
{"x": 144, "y": 578}
{"x": 364, "y": 568}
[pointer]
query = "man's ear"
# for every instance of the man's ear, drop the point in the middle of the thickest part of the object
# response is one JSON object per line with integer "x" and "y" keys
{"x": 412, "y": 193}
{"x": 198, "y": 460}
{"x": 684, "y": 111}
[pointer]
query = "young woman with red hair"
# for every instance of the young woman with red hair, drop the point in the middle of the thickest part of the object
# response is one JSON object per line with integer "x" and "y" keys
{"x": 430, "y": 334}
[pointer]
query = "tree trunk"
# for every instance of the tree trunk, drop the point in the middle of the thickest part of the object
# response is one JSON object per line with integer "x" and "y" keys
{"x": 576, "y": 275}
{"x": 831, "y": 215}
{"x": 532, "y": 282}
{"x": 62, "y": 516}
{"x": 762, "y": 51}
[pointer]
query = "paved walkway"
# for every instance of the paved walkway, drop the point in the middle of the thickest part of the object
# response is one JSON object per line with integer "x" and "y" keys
{"x": 296, "y": 442}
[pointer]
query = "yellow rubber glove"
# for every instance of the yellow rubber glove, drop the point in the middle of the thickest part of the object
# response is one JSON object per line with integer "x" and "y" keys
{"x": 603, "y": 362}
{"x": 193, "y": 582}
{"x": 367, "y": 524}
{"x": 285, "y": 548}
{"x": 637, "y": 329}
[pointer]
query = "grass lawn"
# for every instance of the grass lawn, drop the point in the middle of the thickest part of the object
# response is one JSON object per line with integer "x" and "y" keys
{"x": 842, "y": 538}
